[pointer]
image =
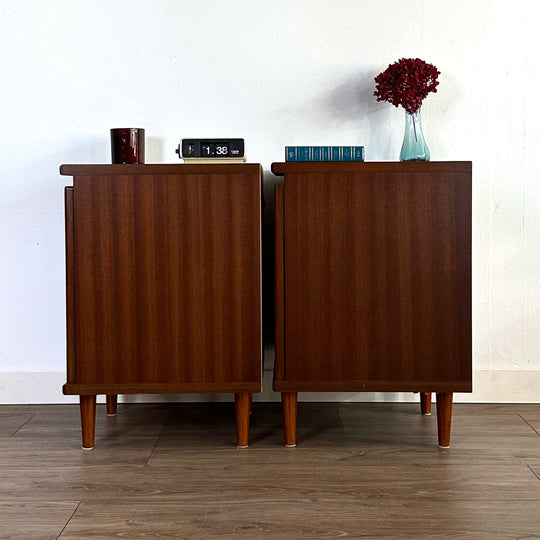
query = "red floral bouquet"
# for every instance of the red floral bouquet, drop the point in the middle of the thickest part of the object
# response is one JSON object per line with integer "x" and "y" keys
{"x": 406, "y": 82}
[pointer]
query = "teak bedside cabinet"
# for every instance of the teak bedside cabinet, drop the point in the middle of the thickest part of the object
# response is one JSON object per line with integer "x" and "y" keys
{"x": 163, "y": 283}
{"x": 373, "y": 282}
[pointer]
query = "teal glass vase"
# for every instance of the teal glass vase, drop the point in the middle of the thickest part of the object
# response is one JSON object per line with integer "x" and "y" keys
{"x": 414, "y": 146}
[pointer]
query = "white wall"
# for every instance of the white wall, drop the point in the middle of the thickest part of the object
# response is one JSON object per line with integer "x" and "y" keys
{"x": 276, "y": 72}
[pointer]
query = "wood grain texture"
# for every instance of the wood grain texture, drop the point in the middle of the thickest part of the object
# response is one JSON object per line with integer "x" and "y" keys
{"x": 377, "y": 277}
{"x": 289, "y": 403}
{"x": 11, "y": 422}
{"x": 533, "y": 421}
{"x": 157, "y": 388}
{"x": 112, "y": 403}
{"x": 279, "y": 290}
{"x": 242, "y": 409}
{"x": 167, "y": 278}
{"x": 70, "y": 286}
{"x": 88, "y": 421}
{"x": 425, "y": 402}
{"x": 171, "y": 471}
{"x": 332, "y": 167}
{"x": 159, "y": 169}
{"x": 34, "y": 519}
{"x": 444, "y": 418}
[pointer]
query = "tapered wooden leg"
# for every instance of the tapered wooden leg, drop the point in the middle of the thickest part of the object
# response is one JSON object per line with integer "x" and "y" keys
{"x": 112, "y": 401}
{"x": 425, "y": 403}
{"x": 289, "y": 402}
{"x": 88, "y": 421}
{"x": 444, "y": 418}
{"x": 242, "y": 404}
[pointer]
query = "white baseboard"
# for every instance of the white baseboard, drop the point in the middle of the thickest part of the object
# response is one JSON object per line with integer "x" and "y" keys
{"x": 488, "y": 387}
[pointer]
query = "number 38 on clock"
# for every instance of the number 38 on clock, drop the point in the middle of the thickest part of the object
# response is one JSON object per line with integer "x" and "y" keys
{"x": 213, "y": 150}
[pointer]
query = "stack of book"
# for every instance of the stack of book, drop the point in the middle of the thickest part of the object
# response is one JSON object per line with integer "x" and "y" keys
{"x": 324, "y": 153}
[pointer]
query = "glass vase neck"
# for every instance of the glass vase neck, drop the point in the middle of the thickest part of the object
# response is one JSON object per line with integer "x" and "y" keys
{"x": 414, "y": 147}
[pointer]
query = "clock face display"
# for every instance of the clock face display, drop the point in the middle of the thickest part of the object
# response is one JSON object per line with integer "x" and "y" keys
{"x": 214, "y": 150}
{"x": 211, "y": 148}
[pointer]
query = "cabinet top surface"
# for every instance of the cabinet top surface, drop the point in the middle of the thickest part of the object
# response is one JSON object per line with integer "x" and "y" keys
{"x": 160, "y": 168}
{"x": 371, "y": 167}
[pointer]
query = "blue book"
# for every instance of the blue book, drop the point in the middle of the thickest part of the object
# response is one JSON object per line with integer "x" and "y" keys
{"x": 358, "y": 153}
{"x": 324, "y": 153}
{"x": 303, "y": 153}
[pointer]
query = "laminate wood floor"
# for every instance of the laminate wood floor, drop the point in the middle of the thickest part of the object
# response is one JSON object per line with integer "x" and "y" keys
{"x": 360, "y": 470}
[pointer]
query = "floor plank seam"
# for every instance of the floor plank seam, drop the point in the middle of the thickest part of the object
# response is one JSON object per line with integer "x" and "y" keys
{"x": 529, "y": 424}
{"x": 20, "y": 427}
{"x": 534, "y": 472}
{"x": 152, "y": 452}
{"x": 68, "y": 521}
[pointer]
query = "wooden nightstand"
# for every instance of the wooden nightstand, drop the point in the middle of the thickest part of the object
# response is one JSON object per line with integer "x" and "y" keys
{"x": 373, "y": 281}
{"x": 163, "y": 283}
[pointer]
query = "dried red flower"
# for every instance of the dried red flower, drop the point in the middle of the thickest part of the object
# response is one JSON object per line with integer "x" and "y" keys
{"x": 406, "y": 82}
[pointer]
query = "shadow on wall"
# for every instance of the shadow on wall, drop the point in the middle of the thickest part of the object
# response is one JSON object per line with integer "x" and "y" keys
{"x": 348, "y": 114}
{"x": 155, "y": 150}
{"x": 98, "y": 150}
{"x": 353, "y": 103}
{"x": 353, "y": 100}
{"x": 269, "y": 206}
{"x": 349, "y": 108}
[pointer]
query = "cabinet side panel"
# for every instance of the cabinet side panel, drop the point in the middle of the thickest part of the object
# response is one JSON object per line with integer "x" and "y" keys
{"x": 377, "y": 277}
{"x": 463, "y": 271}
{"x": 168, "y": 277}
{"x": 70, "y": 293}
{"x": 279, "y": 286}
